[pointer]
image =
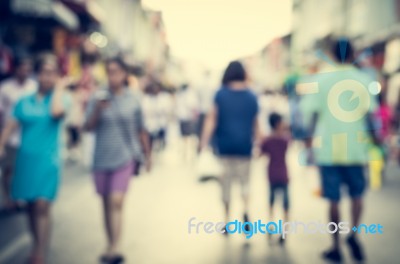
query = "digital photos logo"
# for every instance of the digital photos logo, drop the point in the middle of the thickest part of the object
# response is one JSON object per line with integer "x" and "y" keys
{"x": 281, "y": 228}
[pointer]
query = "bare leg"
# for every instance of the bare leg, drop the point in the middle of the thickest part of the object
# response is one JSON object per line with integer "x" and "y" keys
{"x": 286, "y": 216}
{"x": 107, "y": 220}
{"x": 113, "y": 221}
{"x": 32, "y": 222}
{"x": 185, "y": 143}
{"x": 245, "y": 199}
{"x": 226, "y": 188}
{"x": 356, "y": 210}
{"x": 271, "y": 215}
{"x": 271, "y": 203}
{"x": 355, "y": 246}
{"x": 39, "y": 222}
{"x": 6, "y": 184}
{"x": 286, "y": 204}
{"x": 334, "y": 217}
{"x": 243, "y": 168}
{"x": 271, "y": 212}
{"x": 190, "y": 147}
{"x": 226, "y": 205}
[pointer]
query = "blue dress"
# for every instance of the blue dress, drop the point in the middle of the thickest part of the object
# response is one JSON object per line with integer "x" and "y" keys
{"x": 38, "y": 163}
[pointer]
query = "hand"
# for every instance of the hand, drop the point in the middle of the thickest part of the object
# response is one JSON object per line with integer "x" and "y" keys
{"x": 101, "y": 105}
{"x": 256, "y": 152}
{"x": 63, "y": 83}
{"x": 66, "y": 81}
{"x": 310, "y": 158}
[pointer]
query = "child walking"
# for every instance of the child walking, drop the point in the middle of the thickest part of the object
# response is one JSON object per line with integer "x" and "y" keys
{"x": 275, "y": 147}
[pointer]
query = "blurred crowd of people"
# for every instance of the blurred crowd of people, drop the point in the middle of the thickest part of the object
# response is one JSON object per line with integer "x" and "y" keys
{"x": 117, "y": 126}
{"x": 124, "y": 123}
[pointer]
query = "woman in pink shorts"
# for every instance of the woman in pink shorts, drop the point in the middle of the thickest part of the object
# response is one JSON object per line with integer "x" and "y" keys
{"x": 115, "y": 116}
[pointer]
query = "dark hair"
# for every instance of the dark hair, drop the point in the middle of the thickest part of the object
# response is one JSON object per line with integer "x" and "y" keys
{"x": 274, "y": 120}
{"x": 136, "y": 70}
{"x": 119, "y": 61}
{"x": 21, "y": 60}
{"x": 234, "y": 72}
{"x": 44, "y": 59}
{"x": 153, "y": 87}
{"x": 72, "y": 87}
{"x": 184, "y": 87}
{"x": 342, "y": 50}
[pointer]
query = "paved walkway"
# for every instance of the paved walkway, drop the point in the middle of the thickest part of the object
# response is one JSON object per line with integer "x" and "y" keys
{"x": 160, "y": 204}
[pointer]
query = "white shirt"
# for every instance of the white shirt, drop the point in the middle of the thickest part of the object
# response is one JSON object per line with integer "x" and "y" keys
{"x": 75, "y": 116}
{"x": 165, "y": 105}
{"x": 206, "y": 93}
{"x": 187, "y": 105}
{"x": 151, "y": 113}
{"x": 10, "y": 92}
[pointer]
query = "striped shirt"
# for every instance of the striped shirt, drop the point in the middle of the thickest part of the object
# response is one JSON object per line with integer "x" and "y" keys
{"x": 117, "y": 131}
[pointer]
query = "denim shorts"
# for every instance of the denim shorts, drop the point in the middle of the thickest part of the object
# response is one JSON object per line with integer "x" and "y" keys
{"x": 332, "y": 178}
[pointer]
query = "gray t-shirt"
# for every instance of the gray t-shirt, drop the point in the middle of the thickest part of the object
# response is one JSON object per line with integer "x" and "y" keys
{"x": 117, "y": 131}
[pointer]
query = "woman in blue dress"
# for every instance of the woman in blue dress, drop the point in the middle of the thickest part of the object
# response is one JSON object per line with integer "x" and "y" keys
{"x": 37, "y": 173}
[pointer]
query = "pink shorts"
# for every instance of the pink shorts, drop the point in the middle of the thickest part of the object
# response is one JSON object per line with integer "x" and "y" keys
{"x": 115, "y": 181}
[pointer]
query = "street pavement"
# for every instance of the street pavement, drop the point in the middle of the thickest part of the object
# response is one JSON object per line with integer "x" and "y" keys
{"x": 160, "y": 204}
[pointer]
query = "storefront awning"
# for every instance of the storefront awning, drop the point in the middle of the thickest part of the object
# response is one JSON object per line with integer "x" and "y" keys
{"x": 46, "y": 9}
{"x": 86, "y": 7}
{"x": 381, "y": 36}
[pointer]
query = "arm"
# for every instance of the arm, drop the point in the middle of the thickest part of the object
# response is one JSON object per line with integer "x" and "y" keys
{"x": 3, "y": 103}
{"x": 308, "y": 140}
{"x": 372, "y": 129}
{"x": 257, "y": 132}
{"x": 311, "y": 130}
{"x": 143, "y": 134}
{"x": 209, "y": 127}
{"x": 262, "y": 149}
{"x": 94, "y": 115}
{"x": 9, "y": 128}
{"x": 257, "y": 150}
{"x": 58, "y": 105}
{"x": 145, "y": 142}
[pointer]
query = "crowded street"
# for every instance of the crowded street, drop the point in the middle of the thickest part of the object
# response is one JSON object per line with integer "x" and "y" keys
{"x": 160, "y": 204}
{"x": 199, "y": 131}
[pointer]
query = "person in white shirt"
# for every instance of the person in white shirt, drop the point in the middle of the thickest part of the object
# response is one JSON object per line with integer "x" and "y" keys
{"x": 187, "y": 112}
{"x": 74, "y": 123}
{"x": 151, "y": 112}
{"x": 165, "y": 104}
{"x": 157, "y": 108}
{"x": 11, "y": 90}
{"x": 206, "y": 92}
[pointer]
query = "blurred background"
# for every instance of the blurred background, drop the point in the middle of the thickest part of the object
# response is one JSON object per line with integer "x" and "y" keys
{"x": 176, "y": 51}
